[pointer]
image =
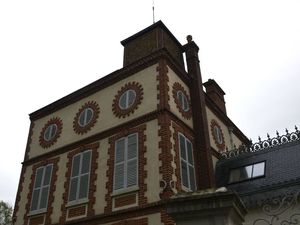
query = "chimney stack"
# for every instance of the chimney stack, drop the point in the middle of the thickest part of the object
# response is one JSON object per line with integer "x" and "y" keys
{"x": 215, "y": 93}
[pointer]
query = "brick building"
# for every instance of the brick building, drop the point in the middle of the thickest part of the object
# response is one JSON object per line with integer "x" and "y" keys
{"x": 117, "y": 150}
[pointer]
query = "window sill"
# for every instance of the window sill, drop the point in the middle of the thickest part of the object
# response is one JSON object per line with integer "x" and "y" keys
{"x": 77, "y": 202}
{"x": 124, "y": 191}
{"x": 37, "y": 212}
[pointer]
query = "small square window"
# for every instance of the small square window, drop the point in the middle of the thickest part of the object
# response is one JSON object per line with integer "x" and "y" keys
{"x": 247, "y": 172}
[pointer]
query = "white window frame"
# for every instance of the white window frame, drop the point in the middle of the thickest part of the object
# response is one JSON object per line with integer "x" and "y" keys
{"x": 187, "y": 163}
{"x": 126, "y": 93}
{"x": 84, "y": 114}
{"x": 125, "y": 186}
{"x": 39, "y": 209}
{"x": 77, "y": 199}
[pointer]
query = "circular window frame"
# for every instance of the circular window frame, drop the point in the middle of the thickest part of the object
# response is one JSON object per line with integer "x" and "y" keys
{"x": 214, "y": 125}
{"x": 138, "y": 89}
{"x": 186, "y": 113}
{"x": 127, "y": 105}
{"x": 78, "y": 128}
{"x": 53, "y": 121}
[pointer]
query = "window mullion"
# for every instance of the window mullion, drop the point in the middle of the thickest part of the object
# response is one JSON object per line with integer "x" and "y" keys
{"x": 85, "y": 116}
{"x": 127, "y": 99}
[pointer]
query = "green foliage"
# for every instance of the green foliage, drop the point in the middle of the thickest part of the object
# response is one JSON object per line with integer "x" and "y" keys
{"x": 5, "y": 213}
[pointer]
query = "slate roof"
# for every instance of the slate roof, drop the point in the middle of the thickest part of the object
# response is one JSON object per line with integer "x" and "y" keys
{"x": 282, "y": 173}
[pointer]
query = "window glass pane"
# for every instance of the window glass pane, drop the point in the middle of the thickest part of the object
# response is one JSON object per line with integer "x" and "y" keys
{"x": 47, "y": 133}
{"x": 245, "y": 172}
{"x": 119, "y": 176}
{"x": 73, "y": 189}
{"x": 35, "y": 199}
{"x": 185, "y": 103}
{"x": 190, "y": 152}
{"x": 89, "y": 115}
{"x": 120, "y": 148}
{"x": 179, "y": 97}
{"x": 44, "y": 197}
{"x": 182, "y": 147}
{"x": 192, "y": 178}
{"x": 131, "y": 97}
{"x": 184, "y": 174}
{"x": 132, "y": 173}
{"x": 83, "y": 190}
{"x": 53, "y": 130}
{"x": 75, "y": 166}
{"x": 122, "y": 101}
{"x": 85, "y": 167}
{"x": 82, "y": 118}
{"x": 234, "y": 175}
{"x": 47, "y": 177}
{"x": 258, "y": 169}
{"x": 38, "y": 178}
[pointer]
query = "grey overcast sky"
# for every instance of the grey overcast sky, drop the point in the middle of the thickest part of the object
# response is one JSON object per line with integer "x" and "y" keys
{"x": 49, "y": 49}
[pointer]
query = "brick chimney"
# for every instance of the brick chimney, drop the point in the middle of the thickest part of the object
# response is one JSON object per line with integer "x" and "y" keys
{"x": 215, "y": 93}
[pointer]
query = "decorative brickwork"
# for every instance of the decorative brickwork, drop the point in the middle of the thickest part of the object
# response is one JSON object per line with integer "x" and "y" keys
{"x": 138, "y": 89}
{"x": 92, "y": 184}
{"x": 84, "y": 129}
{"x": 165, "y": 218}
{"x": 190, "y": 136}
{"x": 219, "y": 141}
{"x": 125, "y": 200}
{"x": 162, "y": 87}
{"x": 37, "y": 220}
{"x": 165, "y": 156}
{"x": 186, "y": 113}
{"x": 77, "y": 211}
{"x": 47, "y": 143}
{"x": 142, "y": 200}
{"x": 20, "y": 187}
{"x": 52, "y": 189}
{"x": 142, "y": 221}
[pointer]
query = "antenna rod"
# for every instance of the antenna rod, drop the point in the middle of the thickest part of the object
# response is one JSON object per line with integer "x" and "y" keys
{"x": 153, "y": 11}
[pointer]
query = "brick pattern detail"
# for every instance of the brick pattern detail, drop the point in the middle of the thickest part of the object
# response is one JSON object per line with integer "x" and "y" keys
{"x": 165, "y": 218}
{"x": 142, "y": 199}
{"x": 186, "y": 132}
{"x": 165, "y": 156}
{"x": 163, "y": 87}
{"x": 118, "y": 112}
{"x": 142, "y": 221}
{"x": 92, "y": 185}
{"x": 46, "y": 144}
{"x": 220, "y": 146}
{"x": 96, "y": 110}
{"x": 177, "y": 87}
{"x": 77, "y": 211}
{"x": 37, "y": 220}
{"x": 125, "y": 200}
{"x": 52, "y": 189}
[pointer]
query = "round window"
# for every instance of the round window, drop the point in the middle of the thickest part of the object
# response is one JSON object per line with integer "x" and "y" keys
{"x": 85, "y": 117}
{"x": 127, "y": 99}
{"x": 182, "y": 99}
{"x": 218, "y": 135}
{"x": 50, "y": 132}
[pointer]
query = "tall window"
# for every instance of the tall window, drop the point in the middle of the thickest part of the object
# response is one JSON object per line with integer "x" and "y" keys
{"x": 187, "y": 163}
{"x": 41, "y": 188}
{"x": 126, "y": 162}
{"x": 79, "y": 182}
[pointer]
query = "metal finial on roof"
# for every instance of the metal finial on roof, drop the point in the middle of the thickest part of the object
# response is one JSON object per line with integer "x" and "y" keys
{"x": 153, "y": 11}
{"x": 189, "y": 38}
